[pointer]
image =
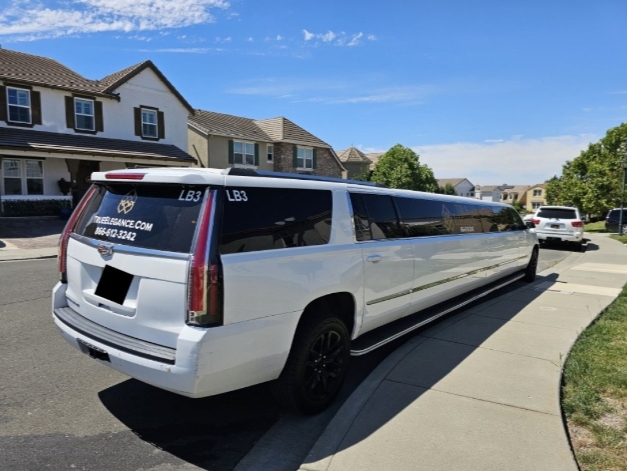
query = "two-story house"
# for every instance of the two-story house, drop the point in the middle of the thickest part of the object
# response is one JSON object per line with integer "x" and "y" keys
{"x": 462, "y": 186}
{"x": 513, "y": 193}
{"x": 535, "y": 197}
{"x": 355, "y": 162}
{"x": 57, "y": 127}
{"x": 220, "y": 140}
{"x": 488, "y": 192}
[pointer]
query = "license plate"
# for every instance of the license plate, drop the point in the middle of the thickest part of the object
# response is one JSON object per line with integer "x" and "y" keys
{"x": 93, "y": 351}
{"x": 555, "y": 226}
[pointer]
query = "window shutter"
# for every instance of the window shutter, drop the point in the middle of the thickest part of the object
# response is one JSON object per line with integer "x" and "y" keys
{"x": 138, "y": 121}
{"x": 295, "y": 157}
{"x": 98, "y": 116}
{"x": 161, "y": 124}
{"x": 256, "y": 154}
{"x": 230, "y": 151}
{"x": 3, "y": 103}
{"x": 35, "y": 104}
{"x": 69, "y": 112}
{"x": 315, "y": 158}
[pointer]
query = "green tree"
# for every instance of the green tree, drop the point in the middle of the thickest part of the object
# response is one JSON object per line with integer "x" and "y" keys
{"x": 447, "y": 189}
{"x": 517, "y": 205}
{"x": 364, "y": 177}
{"x": 592, "y": 180}
{"x": 400, "y": 167}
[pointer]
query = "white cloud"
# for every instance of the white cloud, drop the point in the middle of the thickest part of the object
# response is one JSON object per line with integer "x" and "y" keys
{"x": 70, "y": 17}
{"x": 515, "y": 161}
{"x": 372, "y": 37}
{"x": 336, "y": 38}
{"x": 279, "y": 37}
{"x": 355, "y": 40}
{"x": 250, "y": 40}
{"x": 330, "y": 36}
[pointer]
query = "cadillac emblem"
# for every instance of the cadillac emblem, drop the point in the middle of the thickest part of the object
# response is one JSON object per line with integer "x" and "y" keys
{"x": 105, "y": 250}
{"x": 127, "y": 203}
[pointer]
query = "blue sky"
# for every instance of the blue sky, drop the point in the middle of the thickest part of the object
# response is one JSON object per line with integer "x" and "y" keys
{"x": 494, "y": 91}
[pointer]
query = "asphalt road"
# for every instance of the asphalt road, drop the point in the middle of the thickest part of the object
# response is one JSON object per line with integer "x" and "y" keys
{"x": 61, "y": 410}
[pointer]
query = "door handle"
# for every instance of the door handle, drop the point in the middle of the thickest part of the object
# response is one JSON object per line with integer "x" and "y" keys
{"x": 373, "y": 258}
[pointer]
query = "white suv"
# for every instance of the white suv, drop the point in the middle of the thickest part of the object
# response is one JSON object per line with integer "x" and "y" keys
{"x": 202, "y": 281}
{"x": 559, "y": 224}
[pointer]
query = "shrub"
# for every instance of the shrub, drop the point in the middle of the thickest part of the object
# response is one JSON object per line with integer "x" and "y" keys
{"x": 15, "y": 208}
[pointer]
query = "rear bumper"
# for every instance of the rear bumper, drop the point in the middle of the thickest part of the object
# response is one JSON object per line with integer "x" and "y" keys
{"x": 206, "y": 361}
{"x": 557, "y": 237}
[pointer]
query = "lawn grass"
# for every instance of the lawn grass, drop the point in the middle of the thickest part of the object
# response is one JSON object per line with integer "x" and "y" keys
{"x": 598, "y": 226}
{"x": 594, "y": 394}
{"x": 622, "y": 238}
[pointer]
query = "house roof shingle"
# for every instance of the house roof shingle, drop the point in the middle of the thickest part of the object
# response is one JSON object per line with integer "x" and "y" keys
{"x": 44, "y": 141}
{"x": 265, "y": 130}
{"x": 352, "y": 154}
{"x": 452, "y": 181}
{"x": 29, "y": 69}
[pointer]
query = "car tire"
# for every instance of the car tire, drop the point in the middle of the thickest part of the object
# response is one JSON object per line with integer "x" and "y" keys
{"x": 316, "y": 367}
{"x": 532, "y": 267}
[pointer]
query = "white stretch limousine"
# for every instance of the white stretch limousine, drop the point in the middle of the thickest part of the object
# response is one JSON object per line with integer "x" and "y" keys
{"x": 202, "y": 281}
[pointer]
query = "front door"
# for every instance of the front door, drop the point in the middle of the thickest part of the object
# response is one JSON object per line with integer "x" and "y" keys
{"x": 83, "y": 178}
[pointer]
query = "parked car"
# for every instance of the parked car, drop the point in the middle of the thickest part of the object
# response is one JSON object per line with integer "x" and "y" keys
{"x": 203, "y": 281}
{"x": 613, "y": 218}
{"x": 559, "y": 224}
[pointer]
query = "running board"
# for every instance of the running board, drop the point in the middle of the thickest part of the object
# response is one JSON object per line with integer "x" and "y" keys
{"x": 394, "y": 330}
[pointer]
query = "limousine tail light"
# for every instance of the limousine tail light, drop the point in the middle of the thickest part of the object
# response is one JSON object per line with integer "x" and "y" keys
{"x": 69, "y": 227}
{"x": 205, "y": 275}
{"x": 577, "y": 224}
{"x": 535, "y": 221}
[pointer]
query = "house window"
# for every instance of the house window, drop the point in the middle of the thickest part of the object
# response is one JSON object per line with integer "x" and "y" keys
{"x": 23, "y": 177}
{"x": 243, "y": 153}
{"x": 149, "y": 123}
{"x": 536, "y": 205}
{"x": 84, "y": 111}
{"x": 270, "y": 153}
{"x": 18, "y": 101}
{"x": 537, "y": 192}
{"x": 304, "y": 158}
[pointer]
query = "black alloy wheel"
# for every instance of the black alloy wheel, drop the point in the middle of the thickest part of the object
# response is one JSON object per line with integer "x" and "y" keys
{"x": 316, "y": 367}
{"x": 532, "y": 267}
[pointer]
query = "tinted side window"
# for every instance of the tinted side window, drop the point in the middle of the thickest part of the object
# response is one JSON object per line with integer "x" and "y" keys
{"x": 423, "y": 217}
{"x": 360, "y": 217}
{"x": 504, "y": 219}
{"x": 518, "y": 224}
{"x": 464, "y": 218}
{"x": 382, "y": 216}
{"x": 257, "y": 219}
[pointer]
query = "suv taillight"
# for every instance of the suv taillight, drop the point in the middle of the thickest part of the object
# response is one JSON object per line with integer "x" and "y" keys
{"x": 577, "y": 224}
{"x": 535, "y": 221}
{"x": 205, "y": 274}
{"x": 69, "y": 227}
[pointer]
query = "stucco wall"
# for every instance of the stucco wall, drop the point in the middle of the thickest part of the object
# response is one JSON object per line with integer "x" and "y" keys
{"x": 326, "y": 163}
{"x": 118, "y": 117}
{"x": 355, "y": 169}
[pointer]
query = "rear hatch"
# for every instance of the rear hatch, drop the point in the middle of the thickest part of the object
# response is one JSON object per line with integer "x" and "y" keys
{"x": 128, "y": 258}
{"x": 556, "y": 221}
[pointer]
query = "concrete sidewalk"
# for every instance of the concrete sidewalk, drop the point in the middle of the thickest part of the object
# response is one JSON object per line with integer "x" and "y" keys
{"x": 480, "y": 390}
{"x": 29, "y": 238}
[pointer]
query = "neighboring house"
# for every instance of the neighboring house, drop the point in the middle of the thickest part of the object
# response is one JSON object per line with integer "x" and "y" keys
{"x": 54, "y": 124}
{"x": 536, "y": 197}
{"x": 513, "y": 193}
{"x": 488, "y": 193}
{"x": 374, "y": 158}
{"x": 354, "y": 161}
{"x": 220, "y": 140}
{"x": 462, "y": 186}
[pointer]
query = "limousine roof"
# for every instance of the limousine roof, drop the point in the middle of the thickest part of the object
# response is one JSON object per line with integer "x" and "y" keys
{"x": 244, "y": 177}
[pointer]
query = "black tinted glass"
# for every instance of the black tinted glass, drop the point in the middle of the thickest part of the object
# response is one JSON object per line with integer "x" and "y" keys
{"x": 360, "y": 217}
{"x": 422, "y": 217}
{"x": 160, "y": 217}
{"x": 557, "y": 213}
{"x": 503, "y": 219}
{"x": 464, "y": 217}
{"x": 615, "y": 214}
{"x": 273, "y": 218}
{"x": 382, "y": 215}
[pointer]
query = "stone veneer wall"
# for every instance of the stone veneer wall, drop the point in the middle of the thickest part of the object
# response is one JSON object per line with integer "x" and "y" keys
{"x": 325, "y": 162}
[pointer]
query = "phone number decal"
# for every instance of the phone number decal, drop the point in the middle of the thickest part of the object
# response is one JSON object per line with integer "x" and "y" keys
{"x": 115, "y": 233}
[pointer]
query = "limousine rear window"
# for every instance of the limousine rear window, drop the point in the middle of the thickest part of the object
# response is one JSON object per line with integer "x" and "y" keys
{"x": 257, "y": 218}
{"x": 151, "y": 216}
